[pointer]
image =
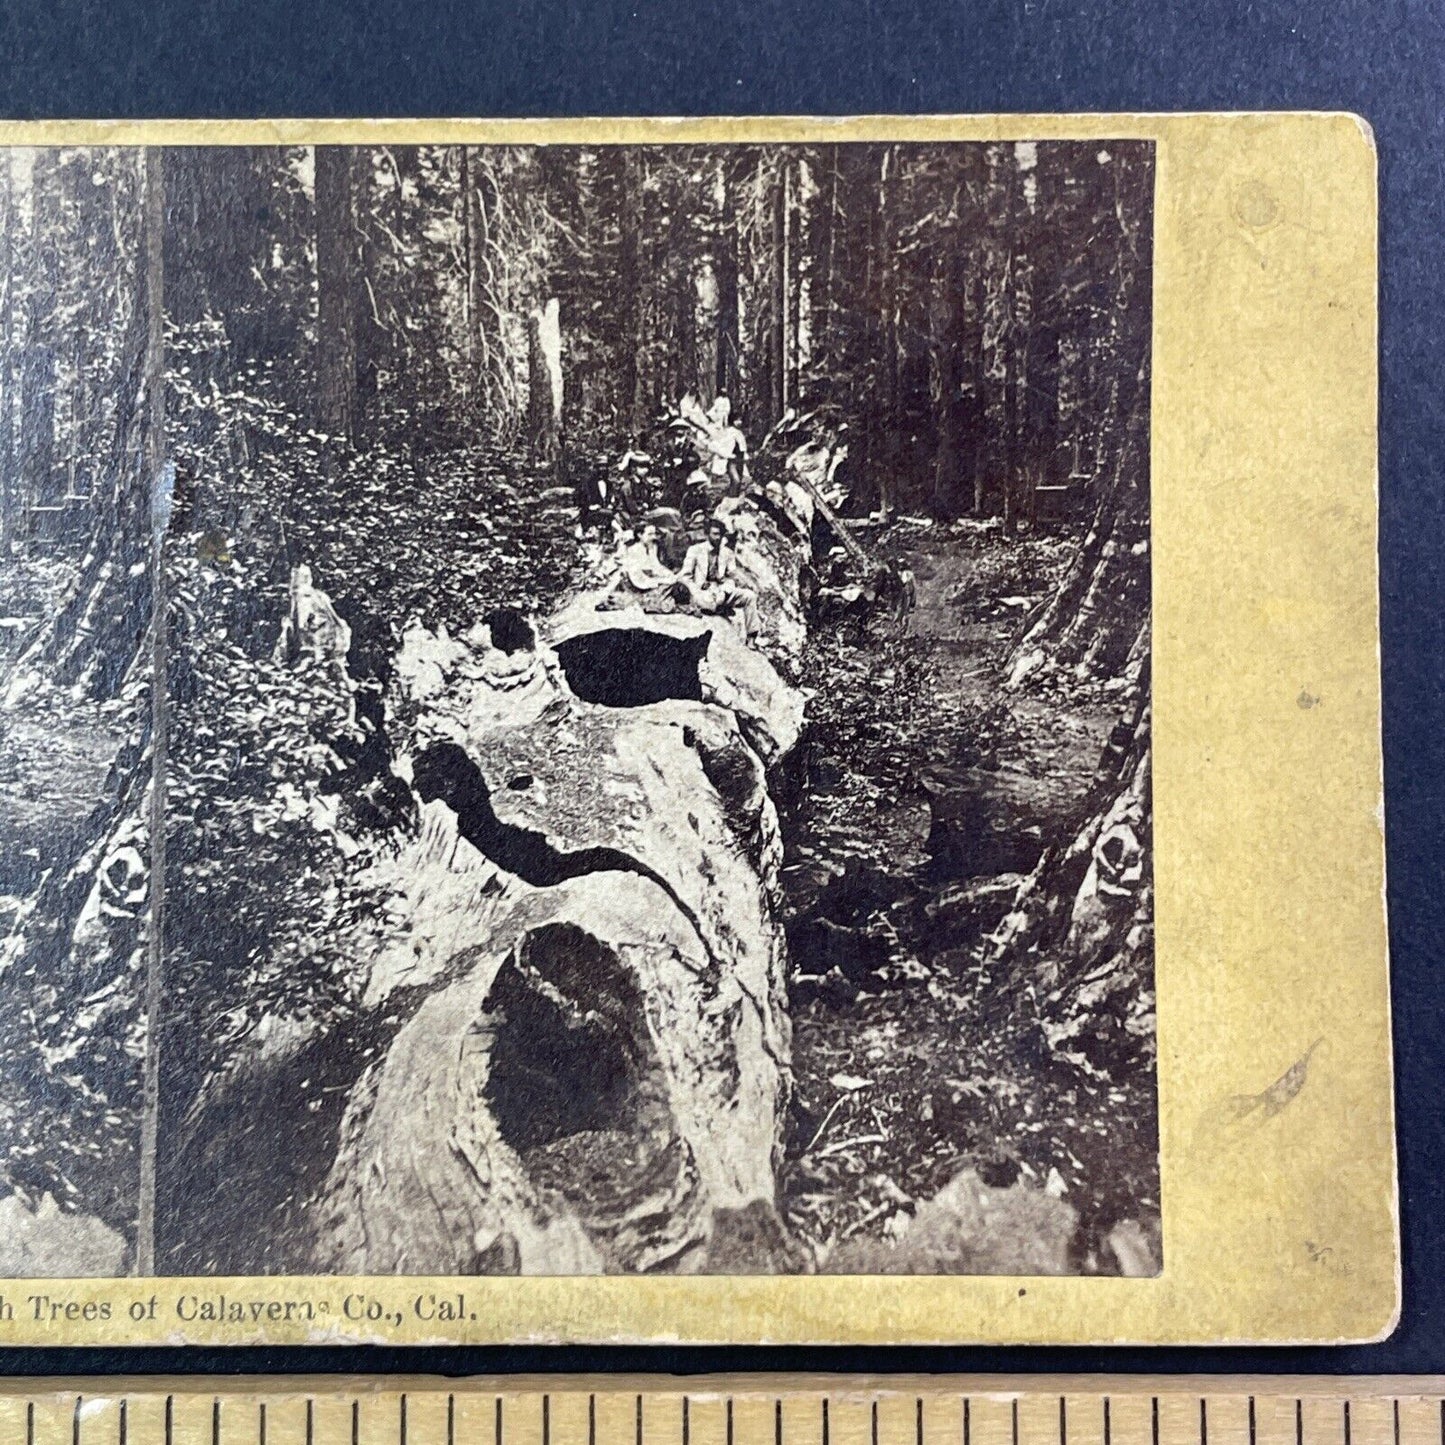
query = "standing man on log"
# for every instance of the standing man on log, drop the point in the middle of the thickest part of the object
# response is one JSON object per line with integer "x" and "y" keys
{"x": 722, "y": 449}
{"x": 709, "y": 572}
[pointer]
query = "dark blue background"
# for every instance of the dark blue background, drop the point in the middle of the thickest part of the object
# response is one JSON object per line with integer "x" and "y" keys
{"x": 1384, "y": 59}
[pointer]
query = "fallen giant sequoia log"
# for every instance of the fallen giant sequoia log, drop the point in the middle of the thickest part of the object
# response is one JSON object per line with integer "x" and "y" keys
{"x": 594, "y": 1070}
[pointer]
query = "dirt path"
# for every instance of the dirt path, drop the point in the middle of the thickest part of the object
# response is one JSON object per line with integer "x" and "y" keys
{"x": 928, "y": 791}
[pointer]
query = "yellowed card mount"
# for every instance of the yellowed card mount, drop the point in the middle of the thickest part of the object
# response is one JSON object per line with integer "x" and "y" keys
{"x": 621, "y": 728}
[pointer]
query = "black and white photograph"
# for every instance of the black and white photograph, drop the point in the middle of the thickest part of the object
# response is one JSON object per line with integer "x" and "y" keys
{"x": 577, "y": 710}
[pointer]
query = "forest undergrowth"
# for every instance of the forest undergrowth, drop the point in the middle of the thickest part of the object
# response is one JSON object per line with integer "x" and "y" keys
{"x": 928, "y": 794}
{"x": 268, "y": 775}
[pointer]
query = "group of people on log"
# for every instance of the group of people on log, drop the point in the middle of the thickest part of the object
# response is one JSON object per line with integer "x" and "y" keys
{"x": 718, "y": 452}
{"x": 708, "y": 580}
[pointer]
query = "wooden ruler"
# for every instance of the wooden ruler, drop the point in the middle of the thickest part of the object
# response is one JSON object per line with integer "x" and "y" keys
{"x": 729, "y": 1410}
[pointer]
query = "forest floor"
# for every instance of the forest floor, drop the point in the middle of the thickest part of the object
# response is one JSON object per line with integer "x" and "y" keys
{"x": 926, "y": 792}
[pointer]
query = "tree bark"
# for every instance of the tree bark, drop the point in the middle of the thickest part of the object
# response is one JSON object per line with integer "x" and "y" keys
{"x": 7, "y": 363}
{"x": 778, "y": 296}
{"x": 1094, "y": 620}
{"x": 885, "y": 460}
{"x": 91, "y": 640}
{"x": 83, "y": 933}
{"x": 471, "y": 264}
{"x": 1080, "y": 935}
{"x": 154, "y": 452}
{"x": 823, "y": 246}
{"x": 544, "y": 370}
{"x": 629, "y": 283}
{"x": 336, "y": 358}
{"x": 945, "y": 367}
{"x": 726, "y": 264}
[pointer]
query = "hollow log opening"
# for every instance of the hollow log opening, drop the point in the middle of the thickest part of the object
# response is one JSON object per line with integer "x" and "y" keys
{"x": 578, "y": 1090}
{"x": 632, "y": 666}
{"x": 567, "y": 1054}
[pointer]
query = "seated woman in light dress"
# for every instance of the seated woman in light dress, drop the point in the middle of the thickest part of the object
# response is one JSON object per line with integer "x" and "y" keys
{"x": 640, "y": 563}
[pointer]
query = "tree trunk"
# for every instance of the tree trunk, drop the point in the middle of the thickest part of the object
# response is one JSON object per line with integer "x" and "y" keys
{"x": 1080, "y": 937}
{"x": 90, "y": 642}
{"x": 885, "y": 460}
{"x": 823, "y": 246}
{"x": 778, "y": 296}
{"x": 945, "y": 384}
{"x": 561, "y": 1082}
{"x": 801, "y": 272}
{"x": 472, "y": 277}
{"x": 37, "y": 426}
{"x": 726, "y": 265}
{"x": 7, "y": 363}
{"x": 336, "y": 391}
{"x": 544, "y": 372}
{"x": 154, "y": 453}
{"x": 1094, "y": 620}
{"x": 631, "y": 340}
{"x": 83, "y": 933}
{"x": 685, "y": 349}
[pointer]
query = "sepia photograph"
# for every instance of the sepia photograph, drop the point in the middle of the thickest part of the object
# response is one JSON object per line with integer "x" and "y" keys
{"x": 577, "y": 709}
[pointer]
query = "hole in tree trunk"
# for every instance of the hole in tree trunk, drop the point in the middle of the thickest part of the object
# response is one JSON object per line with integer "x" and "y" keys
{"x": 632, "y": 666}
{"x": 577, "y": 1089}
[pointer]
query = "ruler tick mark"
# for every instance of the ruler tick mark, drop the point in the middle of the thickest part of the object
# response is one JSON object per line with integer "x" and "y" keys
{"x": 1251, "y": 1421}
{"x": 356, "y": 1422}
{"x": 215, "y": 1422}
{"x": 968, "y": 1424}
{"x": 639, "y": 1420}
{"x": 1154, "y": 1418}
{"x": 825, "y": 1421}
{"x": 875, "y": 1422}
{"x": 1108, "y": 1424}
{"x": 918, "y": 1419}
{"x": 30, "y": 1423}
{"x": 451, "y": 1420}
{"x": 547, "y": 1422}
{"x": 592, "y": 1420}
{"x": 685, "y": 1422}
{"x": 1016, "y": 1421}
{"x": 499, "y": 1423}
{"x": 75, "y": 1423}
{"x": 778, "y": 1423}
{"x": 121, "y": 1433}
{"x": 730, "y": 1421}
{"x": 1299, "y": 1422}
{"x": 402, "y": 1420}
{"x": 1347, "y": 1422}
{"x": 1063, "y": 1423}
{"x": 310, "y": 1419}
{"x": 1204, "y": 1423}
{"x": 170, "y": 1416}
{"x": 261, "y": 1424}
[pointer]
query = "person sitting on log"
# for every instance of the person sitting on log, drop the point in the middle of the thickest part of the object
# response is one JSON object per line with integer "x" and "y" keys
{"x": 640, "y": 563}
{"x": 709, "y": 572}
